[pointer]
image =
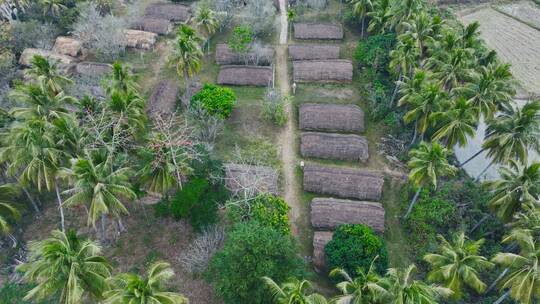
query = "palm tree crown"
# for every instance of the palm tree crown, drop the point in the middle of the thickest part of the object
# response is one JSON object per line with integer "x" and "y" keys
{"x": 293, "y": 292}
{"x": 7, "y": 194}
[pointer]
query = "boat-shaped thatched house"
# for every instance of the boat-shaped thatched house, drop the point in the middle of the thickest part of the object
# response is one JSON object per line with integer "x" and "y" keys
{"x": 163, "y": 99}
{"x": 331, "y": 117}
{"x": 343, "y": 182}
{"x": 245, "y": 75}
{"x": 247, "y": 180}
{"x": 334, "y": 146}
{"x": 226, "y": 56}
{"x": 320, "y": 239}
{"x": 318, "y": 31}
{"x": 329, "y": 213}
{"x": 153, "y": 25}
{"x": 313, "y": 51}
{"x": 325, "y": 71}
{"x": 169, "y": 11}
{"x": 92, "y": 69}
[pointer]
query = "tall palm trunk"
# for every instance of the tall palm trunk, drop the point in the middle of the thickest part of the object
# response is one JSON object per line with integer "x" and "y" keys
{"x": 396, "y": 88}
{"x": 362, "y": 25}
{"x": 415, "y": 134}
{"x": 187, "y": 96}
{"x": 472, "y": 157}
{"x": 31, "y": 199}
{"x": 503, "y": 273}
{"x": 484, "y": 171}
{"x": 60, "y": 207}
{"x": 502, "y": 298}
{"x": 413, "y": 202}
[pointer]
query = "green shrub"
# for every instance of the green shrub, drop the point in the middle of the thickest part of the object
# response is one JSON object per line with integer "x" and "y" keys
{"x": 12, "y": 293}
{"x": 241, "y": 39}
{"x": 198, "y": 201}
{"x": 215, "y": 100}
{"x": 273, "y": 107}
{"x": 251, "y": 251}
{"x": 268, "y": 210}
{"x": 374, "y": 51}
{"x": 355, "y": 246}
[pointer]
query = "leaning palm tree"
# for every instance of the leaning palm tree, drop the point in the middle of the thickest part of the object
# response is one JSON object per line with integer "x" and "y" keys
{"x": 421, "y": 30}
{"x": 366, "y": 288}
{"x": 403, "y": 61}
{"x": 186, "y": 56}
{"x": 404, "y": 289}
{"x": 421, "y": 109}
{"x": 456, "y": 123}
{"x": 528, "y": 218}
{"x": 522, "y": 280}
{"x": 457, "y": 264}
{"x": 207, "y": 22}
{"x": 66, "y": 266}
{"x": 361, "y": 8}
{"x": 7, "y": 211}
{"x": 293, "y": 292}
{"x": 129, "y": 288}
{"x": 94, "y": 181}
{"x": 428, "y": 162}
{"x": 47, "y": 74}
{"x": 411, "y": 90}
{"x": 517, "y": 185}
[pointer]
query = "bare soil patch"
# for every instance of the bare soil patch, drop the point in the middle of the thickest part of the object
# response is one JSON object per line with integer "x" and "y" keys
{"x": 514, "y": 41}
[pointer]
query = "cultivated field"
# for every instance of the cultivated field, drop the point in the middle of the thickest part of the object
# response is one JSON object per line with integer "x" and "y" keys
{"x": 514, "y": 41}
{"x": 524, "y": 11}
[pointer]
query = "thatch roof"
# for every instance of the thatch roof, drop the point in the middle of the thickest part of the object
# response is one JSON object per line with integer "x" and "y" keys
{"x": 67, "y": 46}
{"x": 170, "y": 11}
{"x": 140, "y": 39}
{"x": 153, "y": 25}
{"x": 251, "y": 179}
{"x": 163, "y": 98}
{"x": 64, "y": 61}
{"x": 322, "y": 31}
{"x": 332, "y": 70}
{"x": 320, "y": 239}
{"x": 331, "y": 117}
{"x": 334, "y": 146}
{"x": 343, "y": 182}
{"x": 245, "y": 75}
{"x": 313, "y": 51}
{"x": 224, "y": 55}
{"x": 92, "y": 69}
{"x": 328, "y": 213}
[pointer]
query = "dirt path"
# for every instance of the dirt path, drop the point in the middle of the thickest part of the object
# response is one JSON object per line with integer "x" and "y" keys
{"x": 291, "y": 191}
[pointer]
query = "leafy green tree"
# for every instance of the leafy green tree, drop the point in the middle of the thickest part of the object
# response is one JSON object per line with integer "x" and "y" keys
{"x": 47, "y": 74}
{"x": 354, "y": 247}
{"x": 241, "y": 39}
{"x": 404, "y": 289}
{"x": 428, "y": 162}
{"x": 517, "y": 185}
{"x": 252, "y": 251}
{"x": 216, "y": 100}
{"x": 457, "y": 263}
{"x": 267, "y": 209}
{"x": 129, "y": 288}
{"x": 456, "y": 123}
{"x": 8, "y": 193}
{"x": 293, "y": 291}
{"x": 66, "y": 266}
{"x": 523, "y": 276}
{"x": 364, "y": 288}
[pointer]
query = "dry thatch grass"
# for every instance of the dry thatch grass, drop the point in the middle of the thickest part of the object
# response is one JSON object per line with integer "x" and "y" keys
{"x": 163, "y": 98}
{"x": 331, "y": 117}
{"x": 320, "y": 31}
{"x": 326, "y": 71}
{"x": 334, "y": 146}
{"x": 314, "y": 51}
{"x": 153, "y": 25}
{"x": 245, "y": 75}
{"x": 170, "y": 11}
{"x": 329, "y": 213}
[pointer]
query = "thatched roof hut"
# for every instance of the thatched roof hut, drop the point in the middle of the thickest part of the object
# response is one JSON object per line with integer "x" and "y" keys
{"x": 67, "y": 46}
{"x": 321, "y": 31}
{"x": 332, "y": 70}
{"x": 246, "y": 179}
{"x": 313, "y": 51}
{"x": 320, "y": 239}
{"x": 334, "y": 146}
{"x": 153, "y": 25}
{"x": 343, "y": 182}
{"x": 331, "y": 117}
{"x": 170, "y": 11}
{"x": 64, "y": 61}
{"x": 224, "y": 56}
{"x": 140, "y": 39}
{"x": 163, "y": 98}
{"x": 245, "y": 75}
{"x": 329, "y": 213}
{"x": 92, "y": 69}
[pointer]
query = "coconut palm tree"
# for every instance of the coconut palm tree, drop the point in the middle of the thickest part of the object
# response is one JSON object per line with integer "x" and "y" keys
{"x": 528, "y": 218}
{"x": 404, "y": 289}
{"x": 522, "y": 280}
{"x": 361, "y": 8}
{"x": 121, "y": 79}
{"x": 291, "y": 16}
{"x": 129, "y": 288}
{"x": 517, "y": 185}
{"x": 129, "y": 110}
{"x": 452, "y": 67}
{"x": 411, "y": 89}
{"x": 403, "y": 61}
{"x": 47, "y": 74}
{"x": 380, "y": 17}
{"x": 94, "y": 181}
{"x": 489, "y": 89}
{"x": 457, "y": 264}
{"x": 428, "y": 162}
{"x": 186, "y": 56}
{"x": 207, "y": 22}
{"x": 66, "y": 266}
{"x": 431, "y": 100}
{"x": 293, "y": 292}
{"x": 8, "y": 192}
{"x": 456, "y": 123}
{"x": 365, "y": 288}
{"x": 52, "y": 7}
{"x": 42, "y": 103}
{"x": 421, "y": 30}
{"x": 403, "y": 11}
